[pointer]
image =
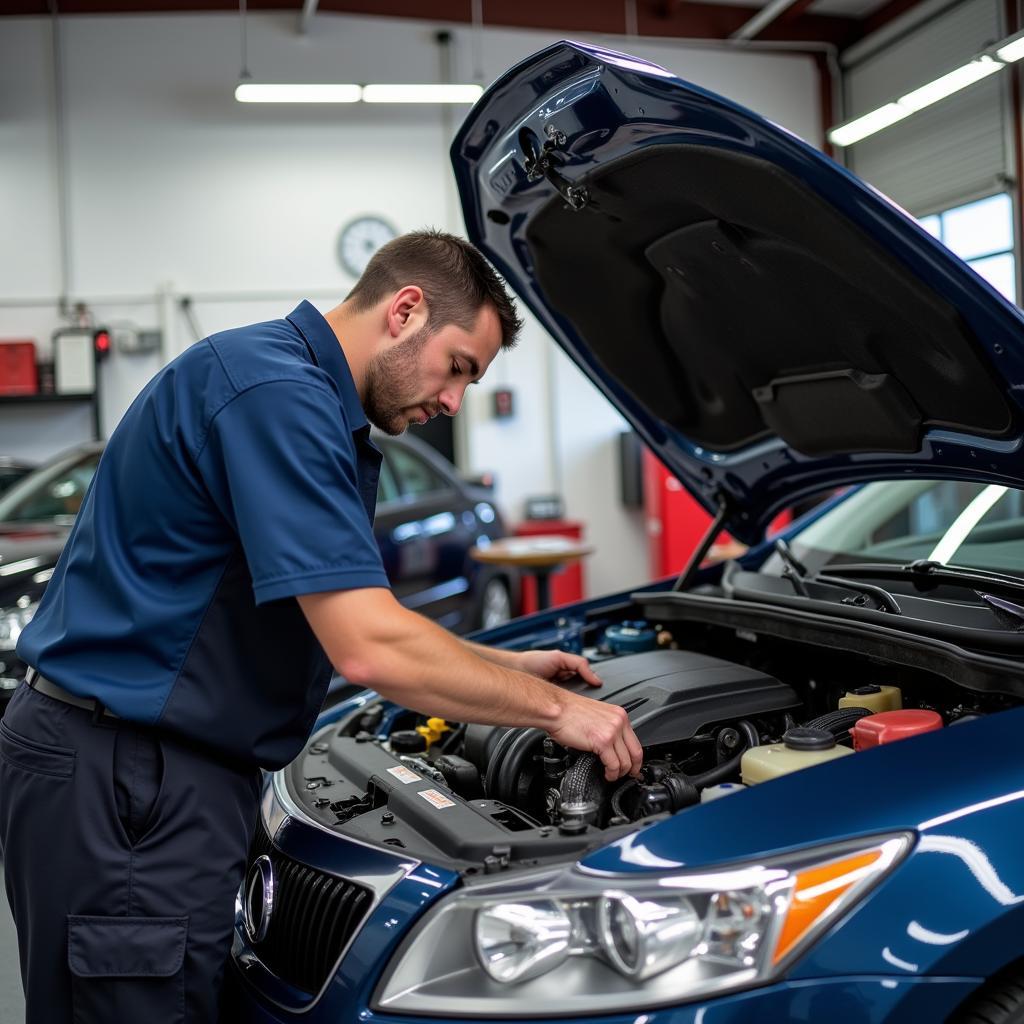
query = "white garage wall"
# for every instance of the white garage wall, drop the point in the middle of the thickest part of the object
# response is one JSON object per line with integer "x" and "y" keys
{"x": 175, "y": 189}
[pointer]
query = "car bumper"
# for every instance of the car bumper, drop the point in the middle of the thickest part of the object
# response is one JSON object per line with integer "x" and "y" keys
{"x": 853, "y": 1000}
{"x": 406, "y": 887}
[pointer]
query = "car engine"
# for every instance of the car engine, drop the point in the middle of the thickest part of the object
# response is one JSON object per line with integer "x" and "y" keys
{"x": 484, "y": 798}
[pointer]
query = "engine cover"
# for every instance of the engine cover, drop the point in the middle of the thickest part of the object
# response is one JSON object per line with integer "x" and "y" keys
{"x": 670, "y": 696}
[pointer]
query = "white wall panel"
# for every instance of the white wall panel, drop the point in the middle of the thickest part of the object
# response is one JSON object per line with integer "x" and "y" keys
{"x": 175, "y": 187}
{"x": 30, "y": 253}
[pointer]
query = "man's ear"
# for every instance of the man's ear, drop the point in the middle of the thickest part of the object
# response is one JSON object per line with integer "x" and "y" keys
{"x": 407, "y": 310}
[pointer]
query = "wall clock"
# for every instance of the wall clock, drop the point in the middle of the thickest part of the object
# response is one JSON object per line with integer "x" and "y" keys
{"x": 360, "y": 239}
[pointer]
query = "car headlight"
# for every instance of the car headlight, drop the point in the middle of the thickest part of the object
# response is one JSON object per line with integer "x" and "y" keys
{"x": 13, "y": 620}
{"x": 563, "y": 942}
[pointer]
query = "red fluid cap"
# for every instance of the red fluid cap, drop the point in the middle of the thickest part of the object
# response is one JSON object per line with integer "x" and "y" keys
{"x": 888, "y": 726}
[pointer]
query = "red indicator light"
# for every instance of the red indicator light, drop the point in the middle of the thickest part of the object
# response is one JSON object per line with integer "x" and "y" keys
{"x": 101, "y": 339}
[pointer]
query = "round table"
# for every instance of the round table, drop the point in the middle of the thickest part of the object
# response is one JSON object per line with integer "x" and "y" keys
{"x": 540, "y": 556}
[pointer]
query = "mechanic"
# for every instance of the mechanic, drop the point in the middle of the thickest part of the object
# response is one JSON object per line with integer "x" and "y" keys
{"x": 222, "y": 562}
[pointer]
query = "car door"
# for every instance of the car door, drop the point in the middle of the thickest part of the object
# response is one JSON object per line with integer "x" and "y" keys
{"x": 421, "y": 535}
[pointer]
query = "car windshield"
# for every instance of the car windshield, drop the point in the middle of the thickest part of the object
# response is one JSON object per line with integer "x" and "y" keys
{"x": 10, "y": 475}
{"x": 51, "y": 492}
{"x": 973, "y": 525}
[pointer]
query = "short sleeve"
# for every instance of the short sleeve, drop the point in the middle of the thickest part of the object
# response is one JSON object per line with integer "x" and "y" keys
{"x": 281, "y": 462}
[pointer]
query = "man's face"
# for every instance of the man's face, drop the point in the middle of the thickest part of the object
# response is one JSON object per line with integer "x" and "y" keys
{"x": 424, "y": 374}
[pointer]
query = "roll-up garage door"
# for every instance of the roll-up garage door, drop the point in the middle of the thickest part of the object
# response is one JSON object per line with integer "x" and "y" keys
{"x": 957, "y": 149}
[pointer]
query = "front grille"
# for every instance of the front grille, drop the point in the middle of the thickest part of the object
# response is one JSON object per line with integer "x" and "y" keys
{"x": 315, "y": 915}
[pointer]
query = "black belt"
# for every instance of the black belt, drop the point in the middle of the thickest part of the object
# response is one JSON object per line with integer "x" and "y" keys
{"x": 51, "y": 689}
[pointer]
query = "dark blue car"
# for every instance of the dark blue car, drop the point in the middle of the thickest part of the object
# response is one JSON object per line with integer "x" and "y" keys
{"x": 428, "y": 519}
{"x": 829, "y": 822}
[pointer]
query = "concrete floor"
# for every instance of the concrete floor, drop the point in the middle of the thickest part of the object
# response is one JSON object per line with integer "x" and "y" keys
{"x": 12, "y": 1005}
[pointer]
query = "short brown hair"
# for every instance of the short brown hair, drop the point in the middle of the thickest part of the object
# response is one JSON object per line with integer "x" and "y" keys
{"x": 456, "y": 280}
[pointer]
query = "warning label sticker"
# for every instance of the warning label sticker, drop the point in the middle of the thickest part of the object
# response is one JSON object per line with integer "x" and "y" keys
{"x": 432, "y": 796}
{"x": 404, "y": 775}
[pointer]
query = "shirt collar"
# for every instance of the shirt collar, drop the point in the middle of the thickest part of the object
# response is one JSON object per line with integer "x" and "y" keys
{"x": 330, "y": 357}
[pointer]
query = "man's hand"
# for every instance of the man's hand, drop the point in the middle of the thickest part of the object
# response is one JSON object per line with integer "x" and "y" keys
{"x": 603, "y": 729}
{"x": 556, "y": 666}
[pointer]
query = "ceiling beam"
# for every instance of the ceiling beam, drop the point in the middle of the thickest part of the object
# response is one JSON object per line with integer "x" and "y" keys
{"x": 689, "y": 20}
{"x": 886, "y": 13}
{"x": 771, "y": 11}
{"x": 306, "y": 17}
{"x": 656, "y": 18}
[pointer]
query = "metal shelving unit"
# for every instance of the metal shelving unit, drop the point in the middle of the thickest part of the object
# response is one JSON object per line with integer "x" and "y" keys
{"x": 91, "y": 397}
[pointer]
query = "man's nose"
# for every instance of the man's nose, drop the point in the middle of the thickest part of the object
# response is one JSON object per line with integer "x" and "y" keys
{"x": 450, "y": 400}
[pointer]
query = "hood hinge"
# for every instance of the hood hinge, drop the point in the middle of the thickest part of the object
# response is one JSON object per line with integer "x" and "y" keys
{"x": 541, "y": 165}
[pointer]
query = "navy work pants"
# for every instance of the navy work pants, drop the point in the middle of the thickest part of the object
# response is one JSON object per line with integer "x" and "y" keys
{"x": 123, "y": 851}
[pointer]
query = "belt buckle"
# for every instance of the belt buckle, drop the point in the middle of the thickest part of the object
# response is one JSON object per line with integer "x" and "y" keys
{"x": 101, "y": 717}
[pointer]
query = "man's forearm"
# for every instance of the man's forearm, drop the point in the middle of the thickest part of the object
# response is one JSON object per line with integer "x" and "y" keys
{"x": 428, "y": 669}
{"x": 374, "y": 642}
{"x": 495, "y": 655}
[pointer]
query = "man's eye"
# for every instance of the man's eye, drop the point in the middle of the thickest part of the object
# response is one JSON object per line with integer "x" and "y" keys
{"x": 456, "y": 369}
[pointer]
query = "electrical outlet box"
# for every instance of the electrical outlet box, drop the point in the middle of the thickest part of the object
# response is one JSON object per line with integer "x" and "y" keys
{"x": 74, "y": 361}
{"x": 137, "y": 340}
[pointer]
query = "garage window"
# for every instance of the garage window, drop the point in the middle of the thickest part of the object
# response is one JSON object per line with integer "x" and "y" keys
{"x": 981, "y": 234}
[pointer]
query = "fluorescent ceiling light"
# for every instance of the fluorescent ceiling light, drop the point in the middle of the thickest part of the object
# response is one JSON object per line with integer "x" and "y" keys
{"x": 875, "y": 120}
{"x": 867, "y": 124}
{"x": 421, "y": 93}
{"x": 1011, "y": 51}
{"x": 253, "y": 92}
{"x": 949, "y": 84}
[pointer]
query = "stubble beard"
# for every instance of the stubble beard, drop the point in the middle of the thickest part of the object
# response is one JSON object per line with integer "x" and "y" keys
{"x": 392, "y": 384}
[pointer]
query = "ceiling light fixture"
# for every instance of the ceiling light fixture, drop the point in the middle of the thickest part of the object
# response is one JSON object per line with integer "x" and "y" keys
{"x": 260, "y": 92}
{"x": 441, "y": 93}
{"x": 994, "y": 59}
{"x": 248, "y": 91}
{"x": 1011, "y": 49}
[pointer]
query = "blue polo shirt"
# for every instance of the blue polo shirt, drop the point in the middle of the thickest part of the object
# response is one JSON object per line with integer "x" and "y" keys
{"x": 241, "y": 476}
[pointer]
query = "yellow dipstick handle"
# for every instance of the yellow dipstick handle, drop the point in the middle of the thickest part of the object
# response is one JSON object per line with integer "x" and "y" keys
{"x": 433, "y": 730}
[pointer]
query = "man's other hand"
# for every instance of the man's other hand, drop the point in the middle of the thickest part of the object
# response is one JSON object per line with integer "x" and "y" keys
{"x": 557, "y": 666}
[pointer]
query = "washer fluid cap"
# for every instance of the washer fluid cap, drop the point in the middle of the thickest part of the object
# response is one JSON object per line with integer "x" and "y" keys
{"x": 808, "y": 739}
{"x": 863, "y": 691}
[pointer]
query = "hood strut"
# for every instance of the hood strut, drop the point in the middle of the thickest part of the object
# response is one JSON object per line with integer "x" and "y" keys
{"x": 691, "y": 567}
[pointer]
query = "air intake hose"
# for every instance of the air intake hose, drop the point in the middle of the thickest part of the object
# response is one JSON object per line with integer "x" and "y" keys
{"x": 582, "y": 790}
{"x": 839, "y": 722}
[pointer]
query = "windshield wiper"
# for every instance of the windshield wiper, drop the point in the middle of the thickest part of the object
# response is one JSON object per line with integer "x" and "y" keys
{"x": 1009, "y": 613}
{"x": 888, "y": 602}
{"x": 936, "y": 572}
{"x": 792, "y": 568}
{"x": 796, "y": 572}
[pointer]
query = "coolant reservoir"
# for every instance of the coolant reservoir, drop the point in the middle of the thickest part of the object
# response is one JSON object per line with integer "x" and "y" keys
{"x": 709, "y": 793}
{"x": 800, "y": 748}
{"x": 874, "y": 698}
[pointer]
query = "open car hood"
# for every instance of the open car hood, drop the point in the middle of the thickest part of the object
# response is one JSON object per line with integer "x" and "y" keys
{"x": 769, "y": 324}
